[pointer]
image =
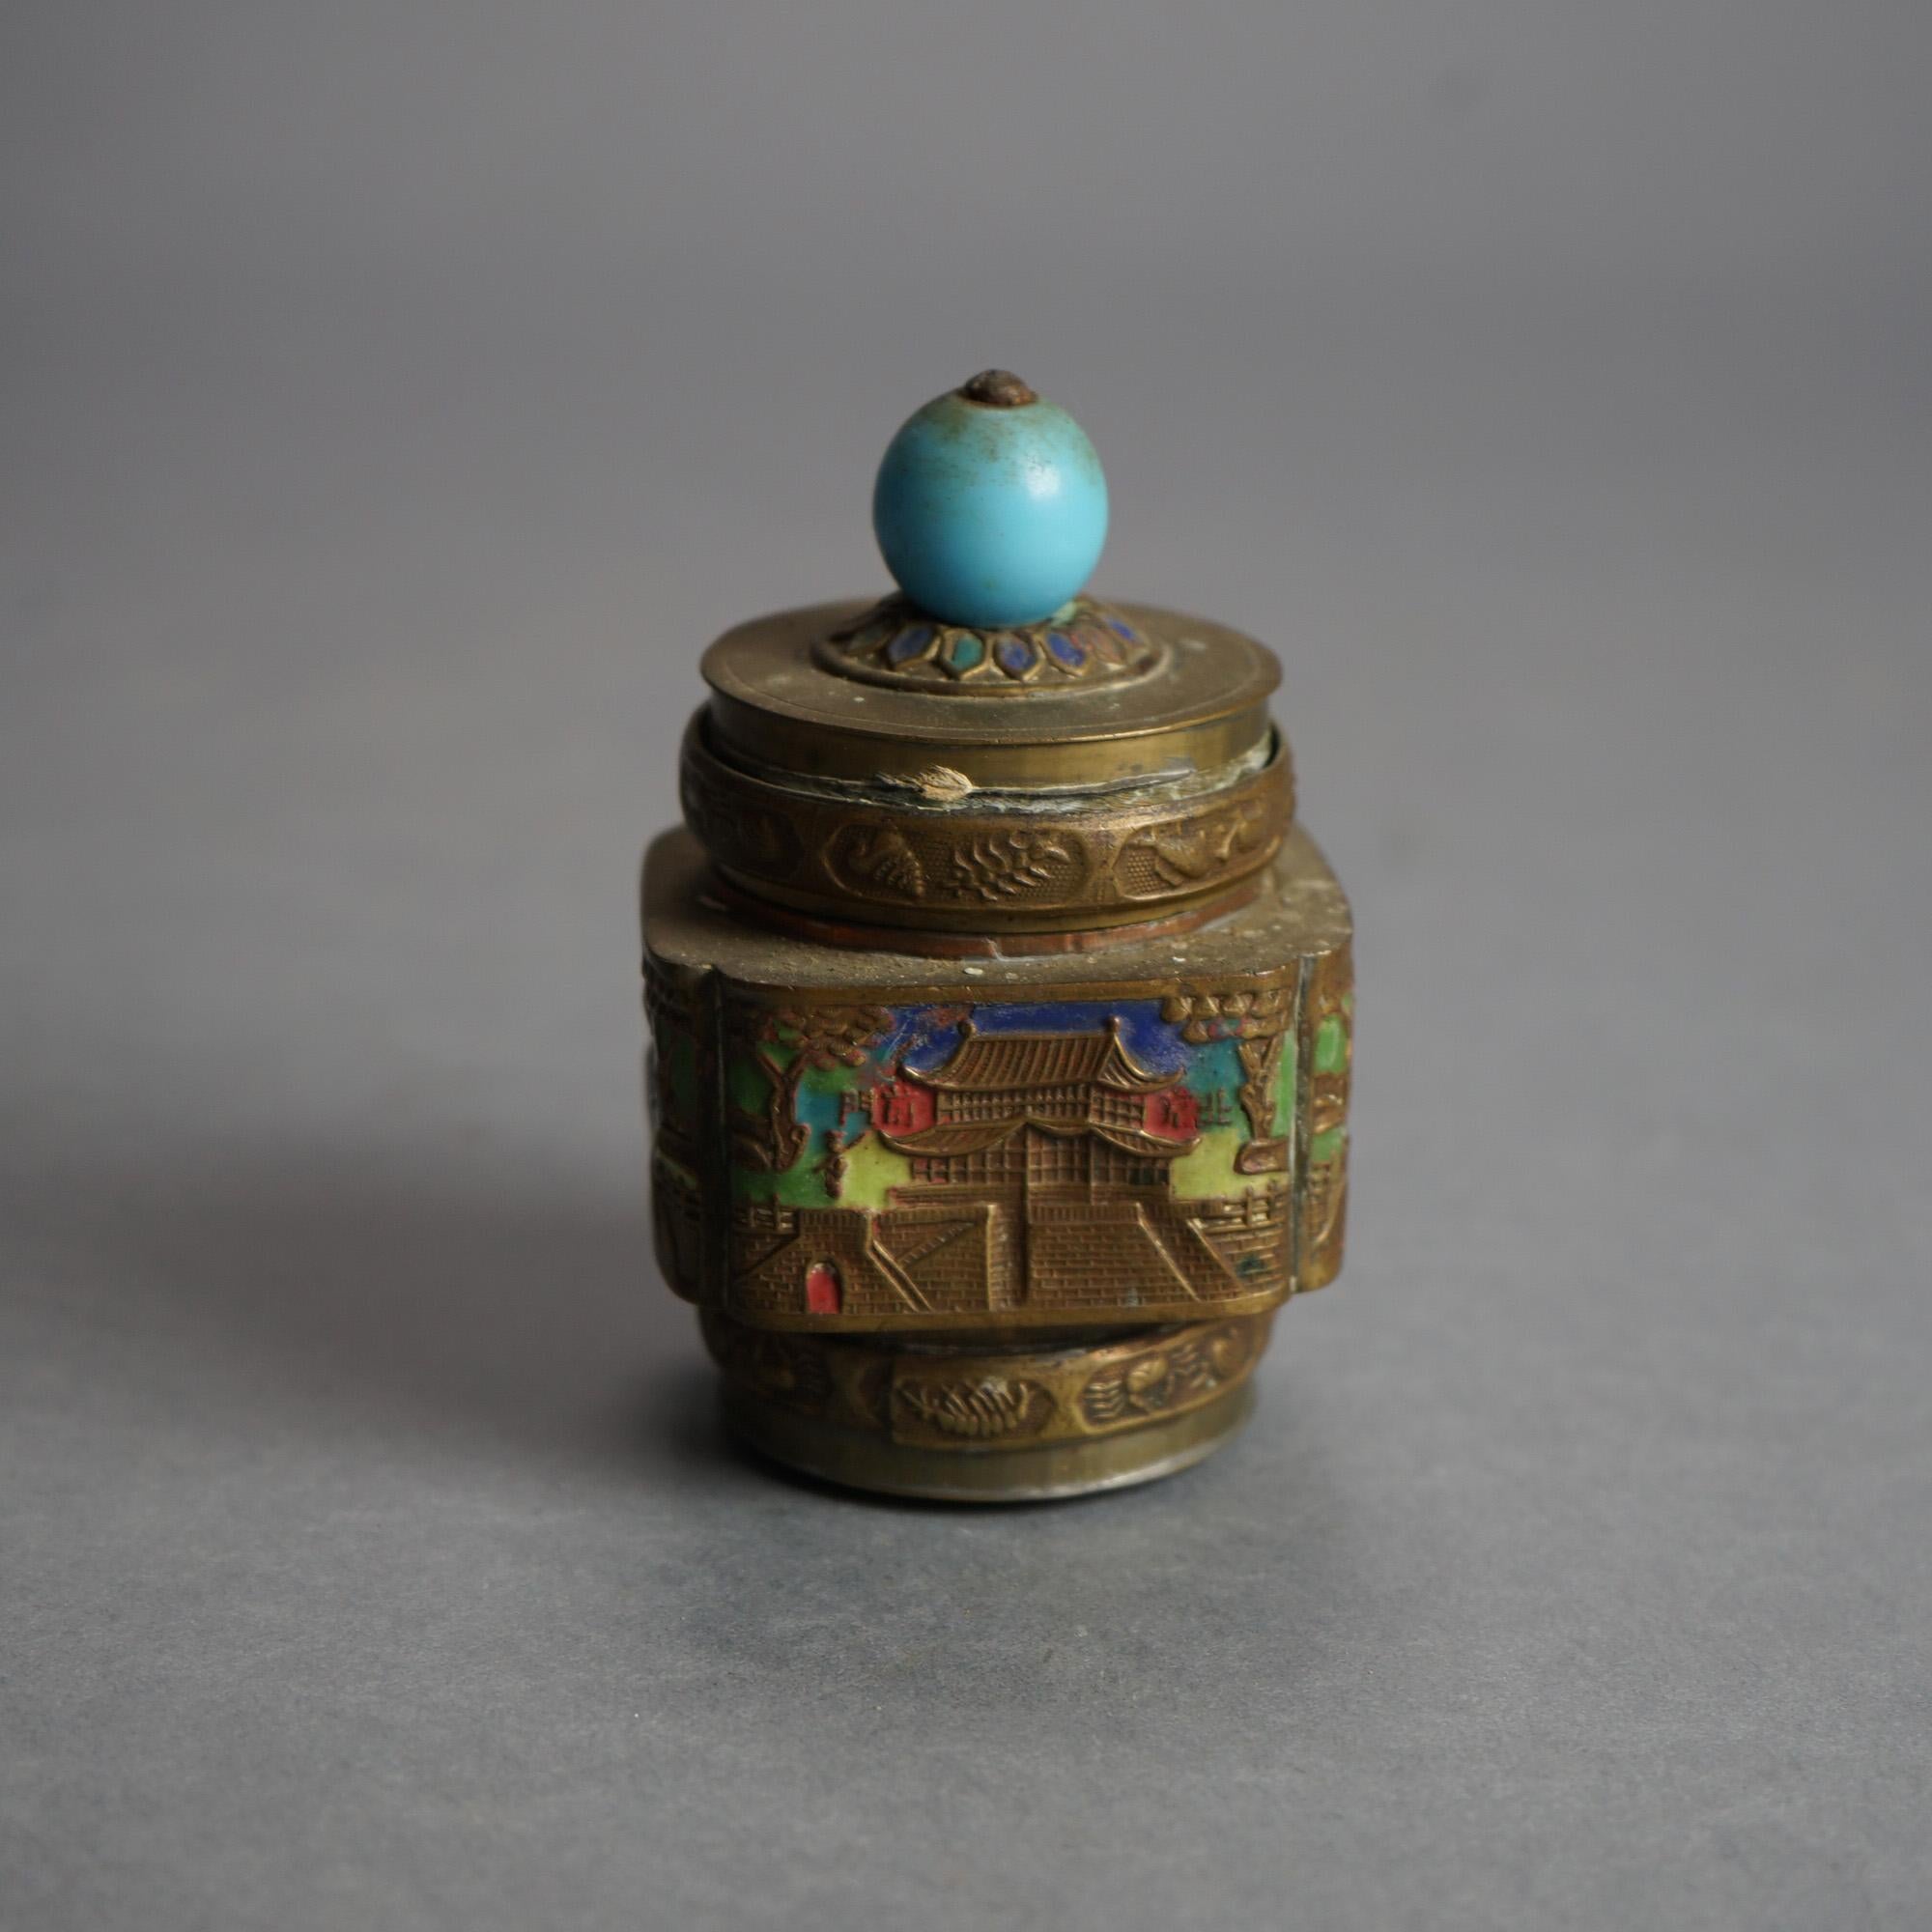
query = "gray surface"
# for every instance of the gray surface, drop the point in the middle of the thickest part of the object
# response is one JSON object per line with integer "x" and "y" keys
{"x": 394, "y": 401}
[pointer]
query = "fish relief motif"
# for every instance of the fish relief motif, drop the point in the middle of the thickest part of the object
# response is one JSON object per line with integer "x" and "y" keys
{"x": 1168, "y": 858}
{"x": 881, "y": 859}
{"x": 994, "y": 1406}
{"x": 1152, "y": 1384}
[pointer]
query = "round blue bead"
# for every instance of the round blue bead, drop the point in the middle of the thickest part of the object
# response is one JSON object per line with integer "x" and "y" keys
{"x": 990, "y": 514}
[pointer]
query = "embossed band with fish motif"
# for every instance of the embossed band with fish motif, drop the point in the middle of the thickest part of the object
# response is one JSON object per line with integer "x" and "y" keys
{"x": 909, "y": 1419}
{"x": 940, "y": 858}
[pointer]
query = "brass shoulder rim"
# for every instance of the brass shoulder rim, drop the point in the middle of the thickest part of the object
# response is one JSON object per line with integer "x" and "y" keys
{"x": 969, "y": 863}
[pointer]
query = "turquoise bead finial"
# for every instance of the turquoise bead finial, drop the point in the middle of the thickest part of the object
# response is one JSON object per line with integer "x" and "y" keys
{"x": 990, "y": 506}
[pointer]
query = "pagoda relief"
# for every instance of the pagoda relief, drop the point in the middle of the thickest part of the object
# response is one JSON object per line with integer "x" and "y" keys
{"x": 1027, "y": 1173}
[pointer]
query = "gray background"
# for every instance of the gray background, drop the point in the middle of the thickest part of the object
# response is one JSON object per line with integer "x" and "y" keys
{"x": 396, "y": 399}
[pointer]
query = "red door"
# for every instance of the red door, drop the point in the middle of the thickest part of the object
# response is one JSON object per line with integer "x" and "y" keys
{"x": 824, "y": 1292}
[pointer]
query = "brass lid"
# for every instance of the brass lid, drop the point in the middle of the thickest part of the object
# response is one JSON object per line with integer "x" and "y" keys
{"x": 810, "y": 691}
{"x": 884, "y": 765}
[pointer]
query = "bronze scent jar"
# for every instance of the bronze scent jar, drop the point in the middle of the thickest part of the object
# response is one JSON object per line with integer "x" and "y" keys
{"x": 1001, "y": 1008}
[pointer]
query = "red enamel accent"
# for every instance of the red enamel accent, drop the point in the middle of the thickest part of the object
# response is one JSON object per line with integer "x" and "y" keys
{"x": 902, "y": 1107}
{"x": 824, "y": 1292}
{"x": 1173, "y": 1114}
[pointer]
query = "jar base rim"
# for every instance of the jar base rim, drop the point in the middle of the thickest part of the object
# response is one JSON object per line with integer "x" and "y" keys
{"x": 1040, "y": 1472}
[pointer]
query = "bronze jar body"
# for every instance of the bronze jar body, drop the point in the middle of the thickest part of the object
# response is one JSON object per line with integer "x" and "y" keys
{"x": 1002, "y": 1016}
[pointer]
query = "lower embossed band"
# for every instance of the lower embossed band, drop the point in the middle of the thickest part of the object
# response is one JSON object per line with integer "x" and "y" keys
{"x": 1040, "y": 1472}
{"x": 1021, "y": 1416}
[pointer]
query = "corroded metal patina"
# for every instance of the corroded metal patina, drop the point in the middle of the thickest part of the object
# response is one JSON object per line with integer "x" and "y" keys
{"x": 1001, "y": 1024}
